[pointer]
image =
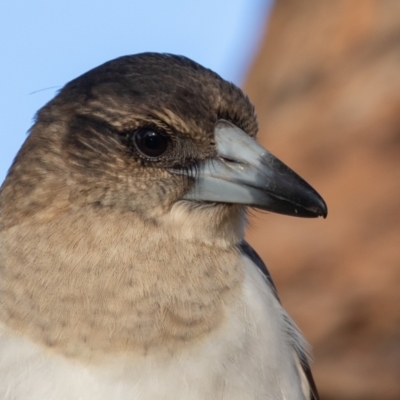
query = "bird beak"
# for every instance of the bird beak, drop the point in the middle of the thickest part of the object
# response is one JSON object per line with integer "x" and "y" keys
{"x": 246, "y": 173}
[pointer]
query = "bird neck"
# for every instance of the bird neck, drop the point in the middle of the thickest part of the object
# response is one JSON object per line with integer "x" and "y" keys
{"x": 95, "y": 281}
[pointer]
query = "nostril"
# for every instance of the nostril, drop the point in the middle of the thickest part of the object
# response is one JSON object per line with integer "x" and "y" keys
{"x": 228, "y": 160}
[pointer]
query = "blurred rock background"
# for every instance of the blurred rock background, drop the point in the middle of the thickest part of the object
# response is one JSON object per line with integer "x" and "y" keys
{"x": 326, "y": 85}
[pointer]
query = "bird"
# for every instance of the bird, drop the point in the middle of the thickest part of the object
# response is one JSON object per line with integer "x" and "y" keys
{"x": 124, "y": 272}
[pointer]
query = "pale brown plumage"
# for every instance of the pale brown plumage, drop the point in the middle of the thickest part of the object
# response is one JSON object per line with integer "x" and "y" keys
{"x": 78, "y": 199}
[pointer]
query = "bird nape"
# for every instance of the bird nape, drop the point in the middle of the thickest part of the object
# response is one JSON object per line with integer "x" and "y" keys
{"x": 124, "y": 272}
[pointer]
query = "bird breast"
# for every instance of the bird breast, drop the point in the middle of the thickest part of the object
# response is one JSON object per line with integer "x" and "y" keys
{"x": 240, "y": 360}
{"x": 102, "y": 282}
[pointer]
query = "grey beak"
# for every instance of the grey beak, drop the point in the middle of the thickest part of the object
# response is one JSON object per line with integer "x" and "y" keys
{"x": 246, "y": 173}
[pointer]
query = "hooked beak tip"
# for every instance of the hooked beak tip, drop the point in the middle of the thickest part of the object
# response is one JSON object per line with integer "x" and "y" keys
{"x": 320, "y": 211}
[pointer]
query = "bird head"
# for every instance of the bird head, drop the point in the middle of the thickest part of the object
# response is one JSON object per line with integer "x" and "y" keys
{"x": 153, "y": 134}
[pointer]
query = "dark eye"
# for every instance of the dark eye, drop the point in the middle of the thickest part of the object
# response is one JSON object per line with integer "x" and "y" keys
{"x": 150, "y": 142}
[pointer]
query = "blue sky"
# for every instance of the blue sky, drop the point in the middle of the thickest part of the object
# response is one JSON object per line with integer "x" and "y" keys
{"x": 44, "y": 44}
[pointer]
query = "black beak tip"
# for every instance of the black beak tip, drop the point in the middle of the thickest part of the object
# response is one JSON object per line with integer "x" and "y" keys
{"x": 320, "y": 209}
{"x": 310, "y": 205}
{"x": 320, "y": 212}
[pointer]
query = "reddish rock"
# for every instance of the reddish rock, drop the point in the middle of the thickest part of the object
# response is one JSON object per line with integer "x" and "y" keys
{"x": 326, "y": 85}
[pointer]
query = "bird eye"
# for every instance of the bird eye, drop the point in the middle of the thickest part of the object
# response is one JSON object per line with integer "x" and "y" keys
{"x": 150, "y": 142}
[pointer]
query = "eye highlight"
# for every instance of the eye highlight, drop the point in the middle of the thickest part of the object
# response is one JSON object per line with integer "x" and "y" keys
{"x": 150, "y": 142}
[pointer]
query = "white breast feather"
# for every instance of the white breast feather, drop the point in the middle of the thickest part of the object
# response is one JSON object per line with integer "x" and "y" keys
{"x": 250, "y": 357}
